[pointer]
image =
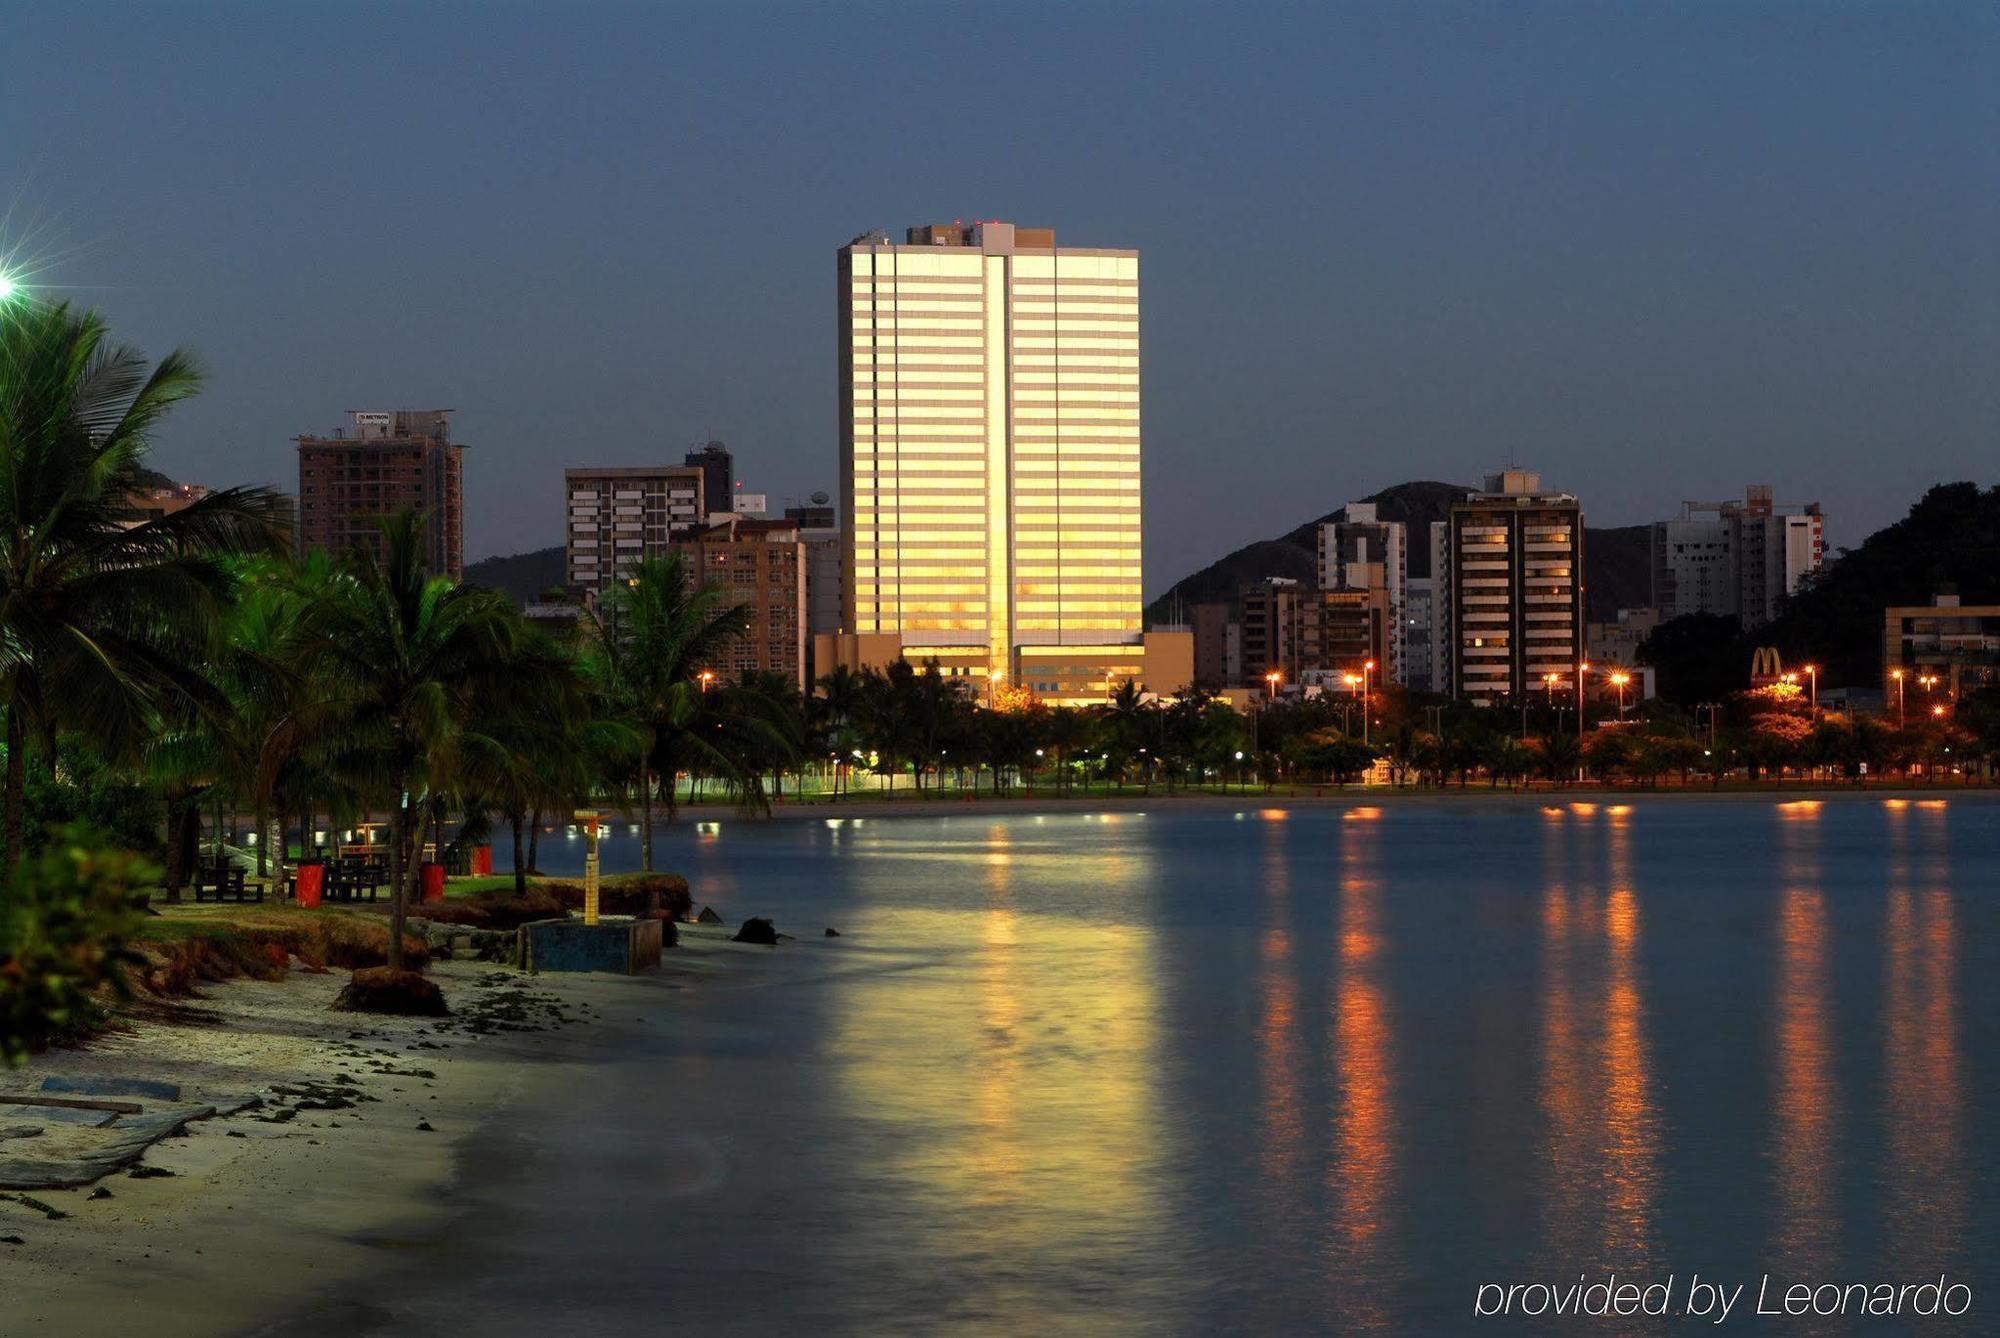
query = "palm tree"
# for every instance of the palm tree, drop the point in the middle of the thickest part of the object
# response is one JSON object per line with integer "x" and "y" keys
{"x": 660, "y": 633}
{"x": 101, "y": 618}
{"x": 413, "y": 655}
{"x": 554, "y": 742}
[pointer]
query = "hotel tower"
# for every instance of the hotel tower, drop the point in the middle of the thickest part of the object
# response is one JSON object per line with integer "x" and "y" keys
{"x": 989, "y": 431}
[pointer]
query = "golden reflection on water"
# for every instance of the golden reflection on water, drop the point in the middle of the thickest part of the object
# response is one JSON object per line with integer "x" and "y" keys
{"x": 1015, "y": 1078}
{"x": 1281, "y": 1114}
{"x": 1598, "y": 1095}
{"x": 1806, "y": 1102}
{"x": 1362, "y": 1172}
{"x": 1924, "y": 1202}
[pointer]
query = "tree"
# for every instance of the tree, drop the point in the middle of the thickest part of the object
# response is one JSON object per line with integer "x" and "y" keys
{"x": 1700, "y": 657}
{"x": 102, "y": 619}
{"x": 411, "y": 654}
{"x": 1558, "y": 756}
{"x": 660, "y": 632}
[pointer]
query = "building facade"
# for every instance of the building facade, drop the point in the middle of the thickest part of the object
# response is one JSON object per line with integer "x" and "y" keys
{"x": 760, "y": 564}
{"x": 384, "y": 462}
{"x": 1955, "y": 645}
{"x": 990, "y": 443}
{"x": 1736, "y": 559}
{"x": 1516, "y": 578}
{"x": 615, "y": 516}
{"x": 1305, "y": 635}
{"x": 718, "y": 475}
{"x": 1419, "y": 615}
{"x": 1218, "y": 647}
{"x": 1365, "y": 553}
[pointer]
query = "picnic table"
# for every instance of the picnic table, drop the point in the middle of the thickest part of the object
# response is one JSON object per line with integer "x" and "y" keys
{"x": 224, "y": 882}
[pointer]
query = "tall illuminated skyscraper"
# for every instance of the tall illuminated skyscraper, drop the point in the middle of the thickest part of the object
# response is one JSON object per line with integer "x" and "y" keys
{"x": 989, "y": 425}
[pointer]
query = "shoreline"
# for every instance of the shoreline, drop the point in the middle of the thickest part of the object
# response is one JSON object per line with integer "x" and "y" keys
{"x": 348, "y": 1161}
{"x": 987, "y": 805}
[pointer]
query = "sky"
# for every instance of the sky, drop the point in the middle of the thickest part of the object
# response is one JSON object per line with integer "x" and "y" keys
{"x": 1655, "y": 251}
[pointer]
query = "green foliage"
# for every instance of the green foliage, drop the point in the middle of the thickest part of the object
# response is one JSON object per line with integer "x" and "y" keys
{"x": 86, "y": 793}
{"x": 65, "y": 922}
{"x": 1701, "y": 657}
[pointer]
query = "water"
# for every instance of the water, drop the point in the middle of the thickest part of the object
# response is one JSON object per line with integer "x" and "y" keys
{"x": 1211, "y": 1070}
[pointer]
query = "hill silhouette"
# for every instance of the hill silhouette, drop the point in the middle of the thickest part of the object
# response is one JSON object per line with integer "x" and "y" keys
{"x": 1617, "y": 561}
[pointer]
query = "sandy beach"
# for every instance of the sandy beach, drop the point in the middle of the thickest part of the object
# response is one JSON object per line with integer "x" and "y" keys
{"x": 348, "y": 1151}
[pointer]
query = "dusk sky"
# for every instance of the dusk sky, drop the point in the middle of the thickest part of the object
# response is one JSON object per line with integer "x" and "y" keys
{"x": 1654, "y": 251}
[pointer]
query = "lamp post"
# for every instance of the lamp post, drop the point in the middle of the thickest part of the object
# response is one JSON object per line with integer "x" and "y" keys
{"x": 705, "y": 677}
{"x": 1582, "y": 673}
{"x": 1812, "y": 687}
{"x": 590, "y": 820}
{"x": 1897, "y": 674}
{"x": 1619, "y": 680}
{"x": 1272, "y": 679}
{"x": 1367, "y": 672}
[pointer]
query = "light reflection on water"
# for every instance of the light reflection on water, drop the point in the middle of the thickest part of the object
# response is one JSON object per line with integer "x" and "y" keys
{"x": 1224, "y": 1070}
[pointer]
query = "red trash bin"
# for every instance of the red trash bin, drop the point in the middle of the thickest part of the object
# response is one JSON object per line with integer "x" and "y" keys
{"x": 311, "y": 882}
{"x": 433, "y": 882}
{"x": 482, "y": 860}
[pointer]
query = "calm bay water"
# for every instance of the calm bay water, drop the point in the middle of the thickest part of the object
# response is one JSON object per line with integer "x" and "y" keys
{"x": 1214, "y": 1070}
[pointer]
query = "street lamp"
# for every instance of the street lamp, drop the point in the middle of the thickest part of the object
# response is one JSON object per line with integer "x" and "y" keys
{"x": 1897, "y": 674}
{"x": 1274, "y": 678}
{"x": 705, "y": 677}
{"x": 1367, "y": 669}
{"x": 1619, "y": 680}
{"x": 1812, "y": 685}
{"x": 1582, "y": 672}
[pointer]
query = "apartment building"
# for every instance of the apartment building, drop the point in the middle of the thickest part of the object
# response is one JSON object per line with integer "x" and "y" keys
{"x": 615, "y": 516}
{"x": 1515, "y": 568}
{"x": 384, "y": 461}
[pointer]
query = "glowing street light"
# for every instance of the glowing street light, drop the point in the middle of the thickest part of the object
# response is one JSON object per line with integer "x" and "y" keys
{"x": 705, "y": 677}
{"x": 1619, "y": 680}
{"x": 1897, "y": 674}
{"x": 1812, "y": 681}
{"x": 1582, "y": 673}
{"x": 1274, "y": 678}
{"x": 1367, "y": 696}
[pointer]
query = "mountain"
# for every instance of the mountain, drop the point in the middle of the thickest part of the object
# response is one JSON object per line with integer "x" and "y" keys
{"x": 522, "y": 577}
{"x": 1617, "y": 561}
{"x": 1949, "y": 543}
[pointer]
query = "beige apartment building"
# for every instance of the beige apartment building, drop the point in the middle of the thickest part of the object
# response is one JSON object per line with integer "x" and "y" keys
{"x": 760, "y": 564}
{"x": 1514, "y": 577}
{"x": 990, "y": 439}
{"x": 613, "y": 516}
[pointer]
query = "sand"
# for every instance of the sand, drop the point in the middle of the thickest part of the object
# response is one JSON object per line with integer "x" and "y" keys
{"x": 264, "y": 1209}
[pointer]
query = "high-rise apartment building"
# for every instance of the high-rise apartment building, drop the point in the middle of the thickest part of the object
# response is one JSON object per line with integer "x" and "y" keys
{"x": 718, "y": 475}
{"x": 760, "y": 564}
{"x": 1364, "y": 553}
{"x": 1419, "y": 622}
{"x": 989, "y": 429}
{"x": 614, "y": 516}
{"x": 1515, "y": 568}
{"x": 1274, "y": 631}
{"x": 1736, "y": 559}
{"x": 1440, "y": 610}
{"x": 385, "y": 461}
{"x": 1304, "y": 634}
